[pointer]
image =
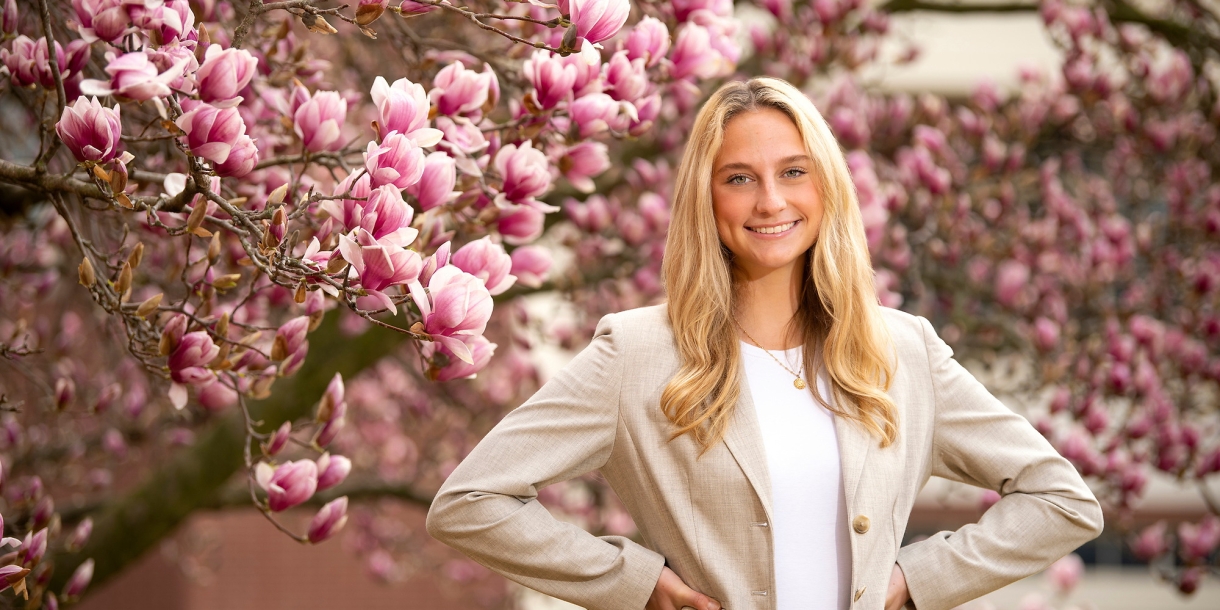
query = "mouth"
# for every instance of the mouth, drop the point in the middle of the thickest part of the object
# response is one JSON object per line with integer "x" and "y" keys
{"x": 773, "y": 229}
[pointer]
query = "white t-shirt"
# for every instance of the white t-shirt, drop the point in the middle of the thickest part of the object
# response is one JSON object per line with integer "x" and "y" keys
{"x": 812, "y": 549}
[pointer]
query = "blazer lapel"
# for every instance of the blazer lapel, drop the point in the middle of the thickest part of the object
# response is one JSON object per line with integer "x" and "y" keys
{"x": 854, "y": 445}
{"x": 744, "y": 440}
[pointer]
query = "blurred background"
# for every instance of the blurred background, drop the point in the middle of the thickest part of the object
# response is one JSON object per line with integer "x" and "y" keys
{"x": 1037, "y": 179}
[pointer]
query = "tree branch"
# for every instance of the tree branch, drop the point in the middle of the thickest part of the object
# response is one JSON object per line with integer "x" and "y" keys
{"x": 127, "y": 526}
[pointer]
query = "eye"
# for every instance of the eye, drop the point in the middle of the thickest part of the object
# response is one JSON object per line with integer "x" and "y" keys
{"x": 795, "y": 172}
{"x": 737, "y": 179}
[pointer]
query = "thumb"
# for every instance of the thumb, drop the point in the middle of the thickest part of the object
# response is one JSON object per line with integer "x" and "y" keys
{"x": 694, "y": 599}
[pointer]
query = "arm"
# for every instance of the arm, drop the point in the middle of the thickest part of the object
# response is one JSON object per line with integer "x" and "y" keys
{"x": 488, "y": 508}
{"x": 1046, "y": 511}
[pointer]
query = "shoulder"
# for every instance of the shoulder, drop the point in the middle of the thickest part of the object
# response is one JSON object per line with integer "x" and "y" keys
{"x": 909, "y": 333}
{"x": 642, "y": 328}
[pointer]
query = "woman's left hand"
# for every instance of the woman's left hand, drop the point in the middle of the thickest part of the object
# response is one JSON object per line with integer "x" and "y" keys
{"x": 896, "y": 595}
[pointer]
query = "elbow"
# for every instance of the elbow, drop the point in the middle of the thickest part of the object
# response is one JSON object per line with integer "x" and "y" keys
{"x": 1095, "y": 520}
{"x": 437, "y": 523}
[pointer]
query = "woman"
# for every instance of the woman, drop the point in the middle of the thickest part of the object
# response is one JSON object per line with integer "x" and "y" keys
{"x": 769, "y": 427}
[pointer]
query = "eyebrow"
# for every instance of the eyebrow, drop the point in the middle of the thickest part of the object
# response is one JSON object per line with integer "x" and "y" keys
{"x": 785, "y": 160}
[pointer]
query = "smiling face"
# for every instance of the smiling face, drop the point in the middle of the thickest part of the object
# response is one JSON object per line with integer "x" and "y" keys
{"x": 764, "y": 196}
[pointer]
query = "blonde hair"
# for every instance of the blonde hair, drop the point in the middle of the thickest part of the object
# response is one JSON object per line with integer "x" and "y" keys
{"x": 838, "y": 314}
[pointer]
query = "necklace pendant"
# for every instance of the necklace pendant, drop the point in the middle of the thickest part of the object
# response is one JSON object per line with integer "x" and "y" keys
{"x": 799, "y": 383}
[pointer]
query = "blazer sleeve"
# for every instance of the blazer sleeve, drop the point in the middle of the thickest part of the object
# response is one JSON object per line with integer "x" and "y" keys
{"x": 1045, "y": 512}
{"x": 488, "y": 507}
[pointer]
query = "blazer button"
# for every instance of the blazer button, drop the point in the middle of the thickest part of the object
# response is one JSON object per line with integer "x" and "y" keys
{"x": 860, "y": 524}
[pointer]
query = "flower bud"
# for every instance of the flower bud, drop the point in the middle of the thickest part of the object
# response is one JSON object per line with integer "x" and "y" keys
{"x": 80, "y": 535}
{"x": 8, "y": 22}
{"x": 370, "y": 10}
{"x": 85, "y": 273}
{"x": 13, "y": 576}
{"x": 329, "y": 520}
{"x": 79, "y": 580}
{"x": 597, "y": 20}
{"x": 319, "y": 121}
{"x": 288, "y": 485}
{"x": 278, "y": 439}
{"x": 149, "y": 305}
{"x": 224, "y": 73}
{"x": 90, "y": 130}
{"x": 332, "y": 470}
{"x": 487, "y": 261}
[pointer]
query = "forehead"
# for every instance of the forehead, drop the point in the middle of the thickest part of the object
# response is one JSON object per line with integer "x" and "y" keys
{"x": 759, "y": 136}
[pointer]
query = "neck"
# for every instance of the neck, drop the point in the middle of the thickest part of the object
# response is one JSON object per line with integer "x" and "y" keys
{"x": 767, "y": 304}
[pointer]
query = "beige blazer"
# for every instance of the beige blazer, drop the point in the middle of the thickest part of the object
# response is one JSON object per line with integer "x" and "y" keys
{"x": 709, "y": 518}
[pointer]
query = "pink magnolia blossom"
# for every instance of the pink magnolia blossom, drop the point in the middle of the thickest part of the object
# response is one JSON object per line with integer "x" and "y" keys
{"x": 692, "y": 54}
{"x": 334, "y": 396}
{"x": 1011, "y": 279}
{"x": 289, "y": 484}
{"x": 104, "y": 20}
{"x": 319, "y": 121}
{"x": 29, "y": 61}
{"x": 134, "y": 76}
{"x": 369, "y": 11}
{"x": 33, "y": 547}
{"x": 167, "y": 56}
{"x": 332, "y": 470}
{"x": 626, "y": 79}
{"x": 9, "y": 17}
{"x": 242, "y": 159}
{"x": 329, "y": 431}
{"x": 456, "y": 306}
{"x": 1046, "y": 333}
{"x": 217, "y": 396}
{"x": 457, "y": 90}
{"x": 211, "y": 132}
{"x": 524, "y": 170}
{"x": 379, "y": 266}
{"x": 435, "y": 186}
{"x": 597, "y": 20}
{"x": 595, "y": 113}
{"x": 79, "y": 580}
{"x": 481, "y": 351}
{"x": 224, "y": 73}
{"x": 398, "y": 160}
{"x": 187, "y": 361}
{"x": 279, "y": 439}
{"x": 531, "y": 265}
{"x": 551, "y": 77}
{"x": 439, "y": 259}
{"x": 348, "y": 211}
{"x": 403, "y": 107}
{"x": 487, "y": 261}
{"x": 12, "y": 574}
{"x": 386, "y": 217}
{"x": 1065, "y": 573}
{"x": 461, "y": 137}
{"x": 329, "y": 520}
{"x": 290, "y": 337}
{"x": 80, "y": 534}
{"x": 584, "y": 161}
{"x": 172, "y": 20}
{"x": 91, "y": 131}
{"x": 1198, "y": 540}
{"x": 520, "y": 224}
{"x": 648, "y": 40}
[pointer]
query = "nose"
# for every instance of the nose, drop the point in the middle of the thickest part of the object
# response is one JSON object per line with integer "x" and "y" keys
{"x": 770, "y": 199}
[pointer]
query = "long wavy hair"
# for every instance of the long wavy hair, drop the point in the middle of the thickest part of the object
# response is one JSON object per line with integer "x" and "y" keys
{"x": 838, "y": 315}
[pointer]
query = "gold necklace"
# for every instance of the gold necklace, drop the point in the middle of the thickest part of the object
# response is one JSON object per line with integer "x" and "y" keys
{"x": 798, "y": 382}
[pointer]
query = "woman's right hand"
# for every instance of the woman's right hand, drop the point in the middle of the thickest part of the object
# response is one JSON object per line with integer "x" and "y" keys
{"x": 673, "y": 594}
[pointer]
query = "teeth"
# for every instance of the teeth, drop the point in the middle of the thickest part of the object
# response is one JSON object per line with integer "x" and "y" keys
{"x": 779, "y": 229}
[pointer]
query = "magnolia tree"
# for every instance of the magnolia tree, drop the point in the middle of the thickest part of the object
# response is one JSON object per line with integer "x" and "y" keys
{"x": 255, "y": 253}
